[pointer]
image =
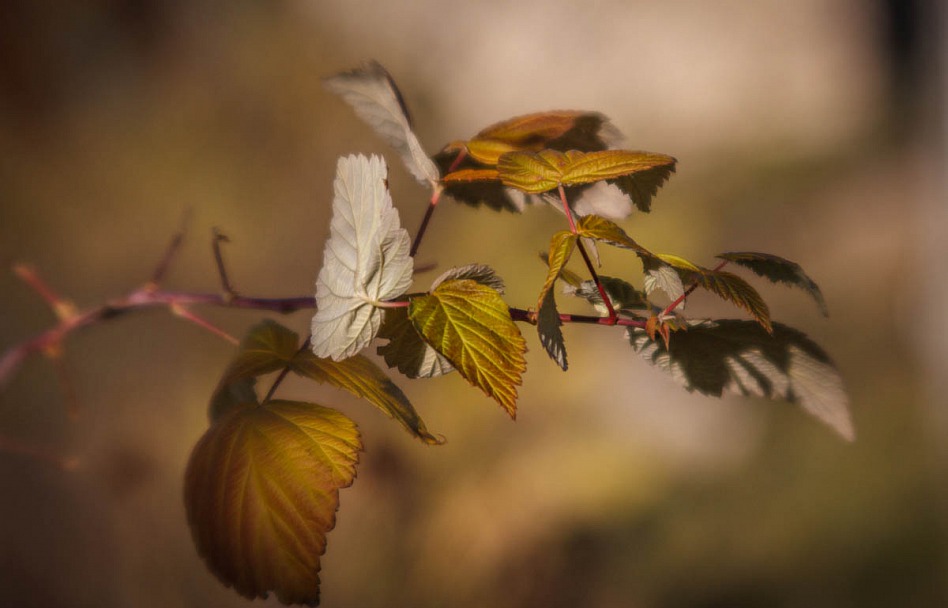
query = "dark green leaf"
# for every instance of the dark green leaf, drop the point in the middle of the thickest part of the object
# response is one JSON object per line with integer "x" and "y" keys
{"x": 778, "y": 270}
{"x": 740, "y": 357}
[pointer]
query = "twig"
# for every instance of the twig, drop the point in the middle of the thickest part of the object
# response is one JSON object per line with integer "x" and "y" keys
{"x": 613, "y": 317}
{"x": 286, "y": 370}
{"x": 435, "y": 197}
{"x": 173, "y": 247}
{"x": 220, "y": 237}
{"x": 61, "y": 307}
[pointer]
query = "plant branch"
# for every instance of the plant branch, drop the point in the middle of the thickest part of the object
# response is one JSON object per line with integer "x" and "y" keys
{"x": 141, "y": 299}
{"x": 173, "y": 247}
{"x": 220, "y": 237}
{"x": 589, "y": 265}
{"x": 435, "y": 197}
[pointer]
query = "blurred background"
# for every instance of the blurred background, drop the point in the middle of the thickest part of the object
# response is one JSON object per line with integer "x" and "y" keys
{"x": 812, "y": 129}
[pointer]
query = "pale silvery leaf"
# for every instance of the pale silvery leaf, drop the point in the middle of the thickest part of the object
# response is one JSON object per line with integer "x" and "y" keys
{"x": 365, "y": 261}
{"x": 605, "y": 200}
{"x": 373, "y": 95}
{"x": 666, "y": 279}
{"x": 480, "y": 273}
{"x": 741, "y": 357}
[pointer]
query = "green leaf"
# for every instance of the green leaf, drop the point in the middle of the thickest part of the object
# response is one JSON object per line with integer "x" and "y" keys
{"x": 373, "y": 95}
{"x": 548, "y": 318}
{"x": 261, "y": 493}
{"x": 406, "y": 349}
{"x": 736, "y": 290}
{"x": 364, "y": 379}
{"x": 269, "y": 347}
{"x": 480, "y": 273}
{"x": 740, "y": 357}
{"x": 365, "y": 262}
{"x": 470, "y": 324}
{"x": 542, "y": 171}
{"x": 548, "y": 329}
{"x": 778, "y": 270}
{"x": 601, "y": 229}
{"x": 642, "y": 186}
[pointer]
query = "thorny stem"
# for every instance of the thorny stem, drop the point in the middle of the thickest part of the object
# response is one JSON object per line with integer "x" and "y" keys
{"x": 173, "y": 247}
{"x": 220, "y": 237}
{"x": 612, "y": 318}
{"x": 671, "y": 307}
{"x": 435, "y": 197}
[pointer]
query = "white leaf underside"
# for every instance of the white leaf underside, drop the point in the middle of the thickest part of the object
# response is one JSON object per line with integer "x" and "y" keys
{"x": 373, "y": 95}
{"x": 747, "y": 364}
{"x": 365, "y": 260}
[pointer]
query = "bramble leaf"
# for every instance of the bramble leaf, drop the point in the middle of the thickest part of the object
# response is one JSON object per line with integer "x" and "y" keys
{"x": 470, "y": 324}
{"x": 548, "y": 318}
{"x": 406, "y": 349}
{"x": 739, "y": 292}
{"x": 778, "y": 270}
{"x": 359, "y": 376}
{"x": 557, "y": 130}
{"x": 480, "y": 273}
{"x": 725, "y": 285}
{"x": 261, "y": 493}
{"x": 624, "y": 297}
{"x": 601, "y": 229}
{"x": 542, "y": 171}
{"x": 602, "y": 199}
{"x": 269, "y": 347}
{"x": 714, "y": 357}
{"x": 659, "y": 275}
{"x": 373, "y": 95}
{"x": 365, "y": 262}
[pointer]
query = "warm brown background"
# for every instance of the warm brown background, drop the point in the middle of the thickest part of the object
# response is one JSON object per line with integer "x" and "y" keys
{"x": 812, "y": 129}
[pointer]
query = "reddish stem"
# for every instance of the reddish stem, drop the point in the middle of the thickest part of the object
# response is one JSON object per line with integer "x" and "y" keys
{"x": 671, "y": 307}
{"x": 589, "y": 265}
{"x": 435, "y": 197}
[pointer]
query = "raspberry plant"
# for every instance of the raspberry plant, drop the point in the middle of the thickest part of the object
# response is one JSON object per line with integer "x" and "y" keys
{"x": 262, "y": 485}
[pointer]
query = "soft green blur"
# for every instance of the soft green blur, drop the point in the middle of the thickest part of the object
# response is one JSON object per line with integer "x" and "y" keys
{"x": 799, "y": 131}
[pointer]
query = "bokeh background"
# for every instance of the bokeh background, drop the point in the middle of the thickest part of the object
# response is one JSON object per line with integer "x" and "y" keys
{"x": 813, "y": 129}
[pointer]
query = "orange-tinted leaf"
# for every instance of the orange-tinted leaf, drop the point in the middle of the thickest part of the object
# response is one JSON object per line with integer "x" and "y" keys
{"x": 261, "y": 493}
{"x": 464, "y": 176}
{"x": 542, "y": 171}
{"x": 557, "y": 130}
{"x": 601, "y": 229}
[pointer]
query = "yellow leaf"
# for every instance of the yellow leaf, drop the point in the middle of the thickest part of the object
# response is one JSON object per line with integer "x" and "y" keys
{"x": 470, "y": 325}
{"x": 261, "y": 492}
{"x": 601, "y": 229}
{"x": 470, "y": 175}
{"x": 548, "y": 321}
{"x": 559, "y": 130}
{"x": 536, "y": 172}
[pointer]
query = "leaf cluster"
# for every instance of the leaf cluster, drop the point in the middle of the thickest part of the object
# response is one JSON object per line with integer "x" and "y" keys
{"x": 262, "y": 486}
